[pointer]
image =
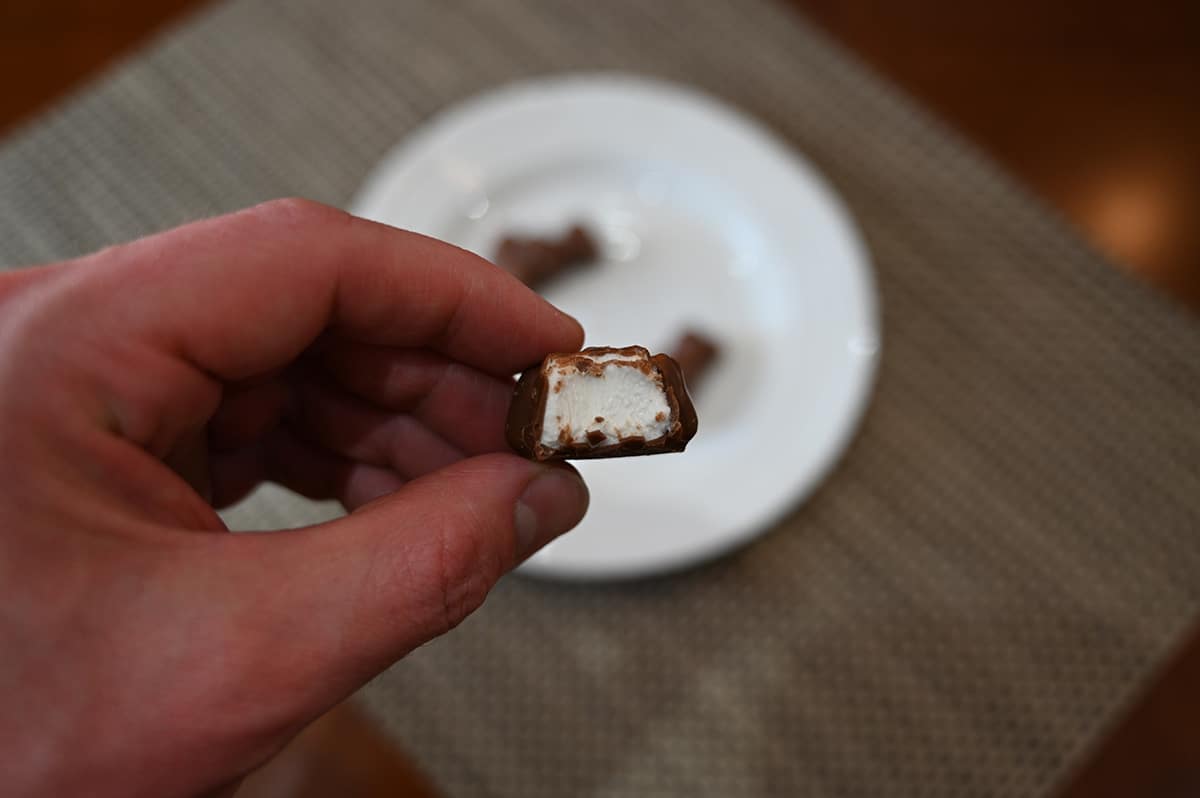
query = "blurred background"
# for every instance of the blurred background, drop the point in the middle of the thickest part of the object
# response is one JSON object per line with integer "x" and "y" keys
{"x": 1094, "y": 105}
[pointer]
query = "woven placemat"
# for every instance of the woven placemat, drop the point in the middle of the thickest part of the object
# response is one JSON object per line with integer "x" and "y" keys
{"x": 1008, "y": 550}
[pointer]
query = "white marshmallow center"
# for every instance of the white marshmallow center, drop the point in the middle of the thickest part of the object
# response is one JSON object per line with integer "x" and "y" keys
{"x": 622, "y": 402}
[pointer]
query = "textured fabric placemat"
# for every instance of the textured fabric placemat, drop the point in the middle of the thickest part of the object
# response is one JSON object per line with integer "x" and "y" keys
{"x": 1005, "y": 554}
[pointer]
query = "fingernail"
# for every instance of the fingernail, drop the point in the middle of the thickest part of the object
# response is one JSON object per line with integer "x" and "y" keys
{"x": 552, "y": 503}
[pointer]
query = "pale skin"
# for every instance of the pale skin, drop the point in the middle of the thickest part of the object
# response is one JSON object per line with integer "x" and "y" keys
{"x": 147, "y": 651}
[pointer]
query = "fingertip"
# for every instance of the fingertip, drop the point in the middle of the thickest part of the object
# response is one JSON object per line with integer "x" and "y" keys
{"x": 577, "y": 331}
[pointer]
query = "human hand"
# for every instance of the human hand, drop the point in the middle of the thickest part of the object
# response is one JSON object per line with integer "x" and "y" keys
{"x": 146, "y": 651}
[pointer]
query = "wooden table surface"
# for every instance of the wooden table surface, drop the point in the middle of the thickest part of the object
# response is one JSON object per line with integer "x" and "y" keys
{"x": 1095, "y": 105}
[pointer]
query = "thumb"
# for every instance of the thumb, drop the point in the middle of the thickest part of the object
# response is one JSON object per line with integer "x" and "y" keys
{"x": 329, "y": 606}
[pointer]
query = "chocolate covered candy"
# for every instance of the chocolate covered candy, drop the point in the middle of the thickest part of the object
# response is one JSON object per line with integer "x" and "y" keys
{"x": 694, "y": 352}
{"x": 533, "y": 261}
{"x": 601, "y": 402}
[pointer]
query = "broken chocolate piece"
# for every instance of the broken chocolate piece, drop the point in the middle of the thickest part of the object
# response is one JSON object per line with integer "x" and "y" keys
{"x": 535, "y": 260}
{"x": 694, "y": 352}
{"x": 601, "y": 402}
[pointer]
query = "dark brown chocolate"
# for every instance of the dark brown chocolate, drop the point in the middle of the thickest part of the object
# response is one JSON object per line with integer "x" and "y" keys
{"x": 528, "y": 408}
{"x": 695, "y": 353}
{"x": 533, "y": 261}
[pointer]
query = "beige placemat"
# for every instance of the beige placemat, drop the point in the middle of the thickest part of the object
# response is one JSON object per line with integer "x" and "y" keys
{"x": 1008, "y": 550}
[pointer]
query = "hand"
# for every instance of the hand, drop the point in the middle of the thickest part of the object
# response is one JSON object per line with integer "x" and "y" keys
{"x": 146, "y": 651}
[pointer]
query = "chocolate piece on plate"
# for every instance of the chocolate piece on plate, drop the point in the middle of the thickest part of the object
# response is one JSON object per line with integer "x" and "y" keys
{"x": 601, "y": 402}
{"x": 535, "y": 260}
{"x": 694, "y": 352}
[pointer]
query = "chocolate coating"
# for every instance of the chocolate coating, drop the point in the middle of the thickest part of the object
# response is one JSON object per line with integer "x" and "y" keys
{"x": 695, "y": 353}
{"x": 527, "y": 410}
{"x": 535, "y": 260}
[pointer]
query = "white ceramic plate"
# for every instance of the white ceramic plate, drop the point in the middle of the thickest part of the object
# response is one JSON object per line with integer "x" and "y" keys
{"x": 706, "y": 220}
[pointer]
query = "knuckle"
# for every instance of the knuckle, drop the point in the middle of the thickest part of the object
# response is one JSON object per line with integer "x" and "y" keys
{"x": 470, "y": 567}
{"x": 461, "y": 597}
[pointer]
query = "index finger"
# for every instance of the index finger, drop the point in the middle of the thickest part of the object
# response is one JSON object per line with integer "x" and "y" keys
{"x": 243, "y": 294}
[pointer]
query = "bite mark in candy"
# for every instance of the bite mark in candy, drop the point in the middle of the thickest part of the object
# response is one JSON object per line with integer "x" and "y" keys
{"x": 601, "y": 402}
